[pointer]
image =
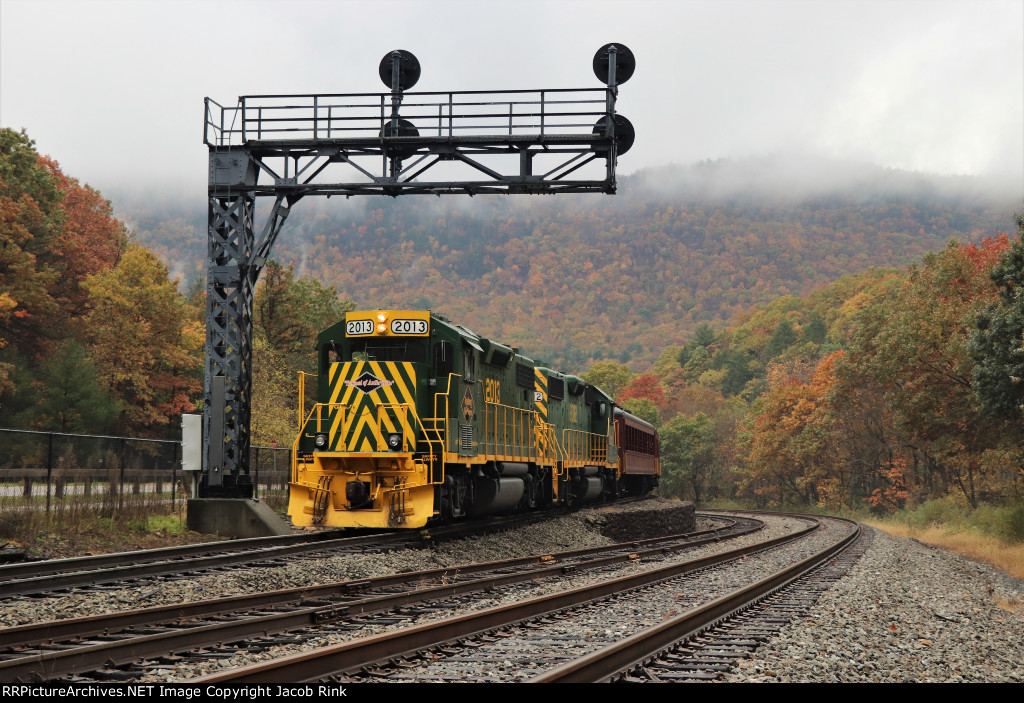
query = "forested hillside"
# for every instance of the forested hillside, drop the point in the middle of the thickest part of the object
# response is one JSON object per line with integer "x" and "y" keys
{"x": 579, "y": 279}
{"x": 806, "y": 336}
{"x": 888, "y": 388}
{"x": 96, "y": 334}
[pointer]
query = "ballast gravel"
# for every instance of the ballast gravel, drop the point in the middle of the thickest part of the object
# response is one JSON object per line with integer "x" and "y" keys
{"x": 906, "y": 612}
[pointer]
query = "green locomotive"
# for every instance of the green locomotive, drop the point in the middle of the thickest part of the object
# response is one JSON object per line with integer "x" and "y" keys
{"x": 418, "y": 419}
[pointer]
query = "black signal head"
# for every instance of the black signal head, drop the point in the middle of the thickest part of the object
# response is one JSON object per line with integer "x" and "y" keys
{"x": 625, "y": 64}
{"x": 408, "y": 69}
{"x": 625, "y": 135}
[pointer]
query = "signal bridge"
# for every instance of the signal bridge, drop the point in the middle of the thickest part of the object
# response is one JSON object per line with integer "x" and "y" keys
{"x": 287, "y": 147}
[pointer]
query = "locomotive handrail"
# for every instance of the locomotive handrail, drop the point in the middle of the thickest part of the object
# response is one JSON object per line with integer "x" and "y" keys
{"x": 343, "y": 408}
{"x": 583, "y": 446}
{"x": 302, "y": 395}
{"x": 318, "y": 408}
{"x": 560, "y": 470}
{"x": 302, "y": 425}
{"x": 521, "y": 431}
{"x": 295, "y": 456}
{"x": 443, "y": 437}
{"x": 612, "y": 434}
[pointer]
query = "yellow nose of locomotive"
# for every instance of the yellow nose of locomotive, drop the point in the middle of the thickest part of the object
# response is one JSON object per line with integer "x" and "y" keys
{"x": 369, "y": 458}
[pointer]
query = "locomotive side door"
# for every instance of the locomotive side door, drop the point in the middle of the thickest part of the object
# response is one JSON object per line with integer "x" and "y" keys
{"x": 470, "y": 403}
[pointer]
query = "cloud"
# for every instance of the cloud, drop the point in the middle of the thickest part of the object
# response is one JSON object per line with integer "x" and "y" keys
{"x": 114, "y": 90}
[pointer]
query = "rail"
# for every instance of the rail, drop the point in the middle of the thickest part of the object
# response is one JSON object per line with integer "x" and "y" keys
{"x": 605, "y": 664}
{"x": 351, "y": 656}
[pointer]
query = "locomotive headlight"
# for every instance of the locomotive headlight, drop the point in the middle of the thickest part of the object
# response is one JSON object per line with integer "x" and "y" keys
{"x": 320, "y": 440}
{"x": 381, "y": 317}
{"x": 395, "y": 441}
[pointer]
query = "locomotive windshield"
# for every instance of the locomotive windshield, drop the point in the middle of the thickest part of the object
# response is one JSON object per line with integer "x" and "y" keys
{"x": 383, "y": 349}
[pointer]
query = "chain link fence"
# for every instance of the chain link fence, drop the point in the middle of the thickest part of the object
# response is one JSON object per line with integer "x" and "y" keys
{"x": 54, "y": 472}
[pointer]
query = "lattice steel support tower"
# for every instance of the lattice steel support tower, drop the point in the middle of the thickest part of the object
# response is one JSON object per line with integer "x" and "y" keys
{"x": 286, "y": 147}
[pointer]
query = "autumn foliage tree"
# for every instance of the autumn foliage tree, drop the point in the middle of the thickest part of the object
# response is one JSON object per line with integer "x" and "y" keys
{"x": 609, "y": 376}
{"x": 643, "y": 385}
{"x": 147, "y": 350}
{"x": 916, "y": 346}
{"x": 289, "y": 313}
{"x": 90, "y": 240}
{"x": 30, "y": 223}
{"x": 894, "y": 419}
{"x": 97, "y": 336}
{"x": 787, "y": 433}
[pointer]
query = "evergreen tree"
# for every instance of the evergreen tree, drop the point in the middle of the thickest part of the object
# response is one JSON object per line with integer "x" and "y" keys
{"x": 70, "y": 396}
{"x": 997, "y": 345}
{"x": 814, "y": 331}
{"x": 782, "y": 338}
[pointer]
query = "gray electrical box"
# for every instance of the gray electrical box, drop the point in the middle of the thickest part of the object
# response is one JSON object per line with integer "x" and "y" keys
{"x": 192, "y": 442}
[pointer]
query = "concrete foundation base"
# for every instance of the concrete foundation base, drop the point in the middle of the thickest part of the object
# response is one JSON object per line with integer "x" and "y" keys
{"x": 234, "y": 517}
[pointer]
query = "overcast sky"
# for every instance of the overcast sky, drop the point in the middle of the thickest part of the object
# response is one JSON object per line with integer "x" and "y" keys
{"x": 114, "y": 89}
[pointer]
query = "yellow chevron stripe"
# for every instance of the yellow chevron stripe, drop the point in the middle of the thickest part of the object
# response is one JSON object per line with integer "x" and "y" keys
{"x": 540, "y": 383}
{"x": 360, "y": 429}
{"x": 397, "y": 394}
{"x": 389, "y": 398}
{"x": 369, "y": 419}
{"x": 401, "y": 388}
{"x": 339, "y": 413}
{"x": 361, "y": 422}
{"x": 355, "y": 369}
{"x": 388, "y": 391}
{"x": 335, "y": 380}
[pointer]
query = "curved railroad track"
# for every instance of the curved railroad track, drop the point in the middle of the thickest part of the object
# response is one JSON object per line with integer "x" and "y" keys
{"x": 100, "y": 644}
{"x": 523, "y": 619}
{"x": 532, "y": 637}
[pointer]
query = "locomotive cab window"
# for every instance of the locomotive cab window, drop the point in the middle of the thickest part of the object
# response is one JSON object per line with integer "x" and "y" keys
{"x": 468, "y": 363}
{"x": 413, "y": 350}
{"x": 329, "y": 354}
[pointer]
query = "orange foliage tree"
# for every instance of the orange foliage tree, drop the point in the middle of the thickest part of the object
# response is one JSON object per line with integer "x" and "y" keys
{"x": 915, "y": 344}
{"x": 90, "y": 240}
{"x": 146, "y": 349}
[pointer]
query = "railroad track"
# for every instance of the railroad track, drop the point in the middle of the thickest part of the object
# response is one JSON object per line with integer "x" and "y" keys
{"x": 124, "y": 646}
{"x": 705, "y": 642}
{"x": 128, "y": 569}
{"x": 524, "y": 640}
{"x": 708, "y": 653}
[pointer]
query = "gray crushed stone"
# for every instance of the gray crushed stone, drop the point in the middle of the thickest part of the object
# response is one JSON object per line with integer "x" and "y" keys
{"x": 907, "y": 612}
